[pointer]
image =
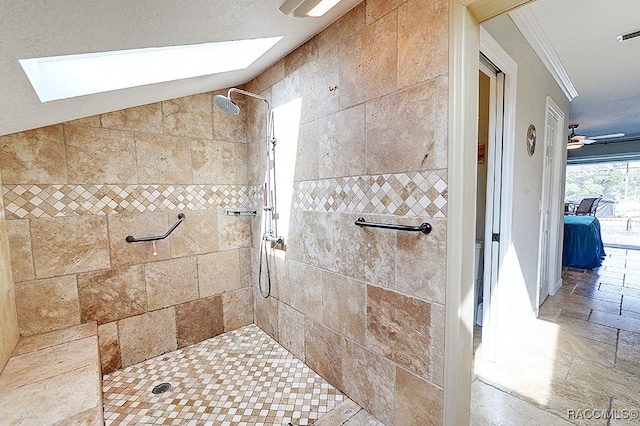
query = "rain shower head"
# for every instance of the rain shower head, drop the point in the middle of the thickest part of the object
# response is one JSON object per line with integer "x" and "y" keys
{"x": 226, "y": 104}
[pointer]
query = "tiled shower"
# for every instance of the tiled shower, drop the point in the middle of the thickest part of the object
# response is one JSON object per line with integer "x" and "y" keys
{"x": 361, "y": 120}
{"x": 130, "y": 173}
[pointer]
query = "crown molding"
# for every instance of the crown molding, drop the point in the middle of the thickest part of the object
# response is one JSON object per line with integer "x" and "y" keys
{"x": 533, "y": 32}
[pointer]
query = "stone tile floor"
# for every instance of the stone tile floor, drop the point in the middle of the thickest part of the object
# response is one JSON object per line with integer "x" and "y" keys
{"x": 242, "y": 377}
{"x": 620, "y": 233}
{"x": 579, "y": 362}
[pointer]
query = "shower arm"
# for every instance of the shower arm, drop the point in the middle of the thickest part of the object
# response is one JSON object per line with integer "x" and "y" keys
{"x": 244, "y": 92}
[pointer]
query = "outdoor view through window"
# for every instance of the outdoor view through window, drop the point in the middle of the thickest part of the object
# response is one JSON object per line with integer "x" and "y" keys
{"x": 618, "y": 211}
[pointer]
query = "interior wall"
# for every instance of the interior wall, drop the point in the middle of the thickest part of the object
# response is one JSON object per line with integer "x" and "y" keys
{"x": 535, "y": 83}
{"x": 361, "y": 122}
{"x": 74, "y": 191}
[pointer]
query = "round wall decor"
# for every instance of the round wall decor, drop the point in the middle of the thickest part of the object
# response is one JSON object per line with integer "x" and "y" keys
{"x": 531, "y": 140}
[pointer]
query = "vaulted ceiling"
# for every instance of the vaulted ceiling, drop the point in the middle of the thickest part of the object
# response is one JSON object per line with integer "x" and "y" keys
{"x": 581, "y": 32}
{"x": 43, "y": 28}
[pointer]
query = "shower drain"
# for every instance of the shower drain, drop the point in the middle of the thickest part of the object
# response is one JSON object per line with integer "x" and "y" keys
{"x": 161, "y": 388}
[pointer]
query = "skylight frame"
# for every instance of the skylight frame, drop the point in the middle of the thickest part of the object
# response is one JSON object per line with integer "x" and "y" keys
{"x": 68, "y": 76}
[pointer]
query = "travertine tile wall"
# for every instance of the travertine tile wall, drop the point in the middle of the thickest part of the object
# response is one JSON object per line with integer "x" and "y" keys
{"x": 9, "y": 334}
{"x": 364, "y": 307}
{"x": 74, "y": 191}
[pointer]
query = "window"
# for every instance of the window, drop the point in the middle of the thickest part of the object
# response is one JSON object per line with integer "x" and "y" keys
{"x": 60, "y": 77}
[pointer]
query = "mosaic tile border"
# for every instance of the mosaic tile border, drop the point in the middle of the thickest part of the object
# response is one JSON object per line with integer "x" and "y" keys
{"x": 49, "y": 201}
{"x": 402, "y": 194}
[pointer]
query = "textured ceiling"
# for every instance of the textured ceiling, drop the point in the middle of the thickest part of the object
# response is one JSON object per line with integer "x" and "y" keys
{"x": 604, "y": 72}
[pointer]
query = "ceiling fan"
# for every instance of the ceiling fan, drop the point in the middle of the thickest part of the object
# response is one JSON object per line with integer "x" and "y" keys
{"x": 578, "y": 141}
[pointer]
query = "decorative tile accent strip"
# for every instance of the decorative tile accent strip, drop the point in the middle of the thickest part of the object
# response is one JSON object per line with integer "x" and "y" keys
{"x": 47, "y": 201}
{"x": 349, "y": 194}
{"x": 402, "y": 194}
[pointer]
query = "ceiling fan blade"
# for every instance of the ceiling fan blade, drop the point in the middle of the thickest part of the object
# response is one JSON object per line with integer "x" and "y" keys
{"x": 574, "y": 145}
{"x": 588, "y": 141}
{"x": 609, "y": 136}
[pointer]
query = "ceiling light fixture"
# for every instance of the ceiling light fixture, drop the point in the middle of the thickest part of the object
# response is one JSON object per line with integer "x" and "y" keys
{"x": 307, "y": 8}
{"x": 575, "y": 141}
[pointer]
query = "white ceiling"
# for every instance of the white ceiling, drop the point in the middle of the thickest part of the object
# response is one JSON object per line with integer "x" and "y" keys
{"x": 42, "y": 28}
{"x": 605, "y": 73}
{"x": 582, "y": 33}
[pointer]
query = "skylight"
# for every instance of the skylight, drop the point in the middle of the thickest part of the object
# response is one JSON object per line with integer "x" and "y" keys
{"x": 60, "y": 77}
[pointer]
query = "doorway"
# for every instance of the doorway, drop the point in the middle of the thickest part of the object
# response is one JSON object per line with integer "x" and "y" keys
{"x": 488, "y": 198}
{"x": 549, "y": 280}
{"x": 501, "y": 70}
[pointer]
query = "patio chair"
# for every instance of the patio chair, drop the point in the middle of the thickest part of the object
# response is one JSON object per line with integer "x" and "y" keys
{"x": 588, "y": 206}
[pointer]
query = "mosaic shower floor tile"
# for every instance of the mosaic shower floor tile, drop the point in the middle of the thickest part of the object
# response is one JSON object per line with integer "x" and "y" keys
{"x": 242, "y": 377}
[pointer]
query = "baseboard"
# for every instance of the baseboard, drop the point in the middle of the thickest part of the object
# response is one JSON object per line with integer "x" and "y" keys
{"x": 554, "y": 289}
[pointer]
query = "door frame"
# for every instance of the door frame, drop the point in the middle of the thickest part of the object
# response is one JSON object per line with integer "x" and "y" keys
{"x": 544, "y": 243}
{"x": 557, "y": 199}
{"x": 493, "y": 335}
{"x": 464, "y": 47}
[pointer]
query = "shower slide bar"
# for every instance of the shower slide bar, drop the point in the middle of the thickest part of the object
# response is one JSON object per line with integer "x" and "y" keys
{"x": 425, "y": 228}
{"x": 132, "y": 239}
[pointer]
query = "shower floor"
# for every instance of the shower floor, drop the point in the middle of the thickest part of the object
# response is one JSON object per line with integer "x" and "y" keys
{"x": 242, "y": 377}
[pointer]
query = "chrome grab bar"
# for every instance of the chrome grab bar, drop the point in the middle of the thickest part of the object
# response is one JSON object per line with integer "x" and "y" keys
{"x": 425, "y": 228}
{"x": 132, "y": 239}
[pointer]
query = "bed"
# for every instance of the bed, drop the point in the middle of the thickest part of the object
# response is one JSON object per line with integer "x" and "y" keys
{"x": 582, "y": 246}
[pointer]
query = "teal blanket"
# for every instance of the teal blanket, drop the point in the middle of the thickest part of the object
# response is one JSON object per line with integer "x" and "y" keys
{"x": 582, "y": 246}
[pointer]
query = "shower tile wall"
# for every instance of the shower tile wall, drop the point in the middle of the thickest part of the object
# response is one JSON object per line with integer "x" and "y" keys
{"x": 361, "y": 120}
{"x": 8, "y": 319}
{"x": 363, "y": 307}
{"x": 74, "y": 191}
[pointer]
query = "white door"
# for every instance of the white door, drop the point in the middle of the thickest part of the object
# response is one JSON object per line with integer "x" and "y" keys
{"x": 545, "y": 209}
{"x": 499, "y": 256}
{"x": 493, "y": 207}
{"x": 554, "y": 198}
